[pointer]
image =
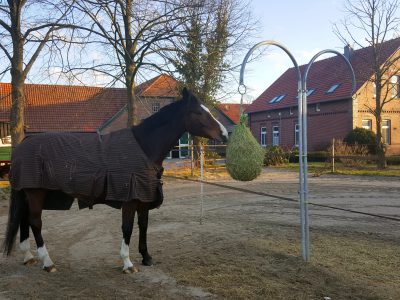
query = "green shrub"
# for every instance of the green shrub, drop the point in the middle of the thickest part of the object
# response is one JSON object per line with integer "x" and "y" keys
{"x": 275, "y": 155}
{"x": 362, "y": 136}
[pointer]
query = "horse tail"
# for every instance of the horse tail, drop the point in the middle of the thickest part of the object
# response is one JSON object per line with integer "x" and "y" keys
{"x": 17, "y": 206}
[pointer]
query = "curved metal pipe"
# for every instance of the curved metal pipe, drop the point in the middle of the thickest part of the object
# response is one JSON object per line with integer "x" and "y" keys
{"x": 268, "y": 42}
{"x": 340, "y": 55}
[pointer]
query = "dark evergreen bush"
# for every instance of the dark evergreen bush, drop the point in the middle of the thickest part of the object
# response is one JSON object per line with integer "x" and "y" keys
{"x": 362, "y": 136}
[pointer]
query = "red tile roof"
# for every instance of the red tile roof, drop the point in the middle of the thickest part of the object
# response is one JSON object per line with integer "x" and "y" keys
{"x": 77, "y": 108}
{"x": 322, "y": 76}
{"x": 231, "y": 110}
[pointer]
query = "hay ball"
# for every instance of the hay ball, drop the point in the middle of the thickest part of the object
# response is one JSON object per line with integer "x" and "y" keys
{"x": 244, "y": 156}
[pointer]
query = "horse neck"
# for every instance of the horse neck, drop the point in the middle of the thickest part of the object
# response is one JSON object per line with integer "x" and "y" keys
{"x": 158, "y": 141}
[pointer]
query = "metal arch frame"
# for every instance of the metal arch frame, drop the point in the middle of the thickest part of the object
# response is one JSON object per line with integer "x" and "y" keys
{"x": 302, "y": 121}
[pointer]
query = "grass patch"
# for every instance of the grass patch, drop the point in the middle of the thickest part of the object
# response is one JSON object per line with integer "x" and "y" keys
{"x": 319, "y": 168}
{"x": 343, "y": 266}
{"x": 211, "y": 172}
{"x": 5, "y": 153}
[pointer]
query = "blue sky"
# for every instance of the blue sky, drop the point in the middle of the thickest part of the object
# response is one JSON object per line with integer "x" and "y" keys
{"x": 305, "y": 27}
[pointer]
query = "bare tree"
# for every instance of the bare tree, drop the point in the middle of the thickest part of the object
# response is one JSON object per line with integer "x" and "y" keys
{"x": 26, "y": 27}
{"x": 217, "y": 31}
{"x": 129, "y": 36}
{"x": 376, "y": 21}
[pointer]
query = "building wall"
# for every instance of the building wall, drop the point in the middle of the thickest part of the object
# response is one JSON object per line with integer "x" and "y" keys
{"x": 145, "y": 109}
{"x": 391, "y": 112}
{"x": 334, "y": 120}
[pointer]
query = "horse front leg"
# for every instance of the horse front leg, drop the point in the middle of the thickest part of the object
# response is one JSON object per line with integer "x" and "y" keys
{"x": 36, "y": 201}
{"x": 128, "y": 216}
{"x": 143, "y": 221}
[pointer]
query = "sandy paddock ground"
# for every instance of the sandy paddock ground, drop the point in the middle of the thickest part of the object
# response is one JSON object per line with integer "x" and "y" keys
{"x": 247, "y": 247}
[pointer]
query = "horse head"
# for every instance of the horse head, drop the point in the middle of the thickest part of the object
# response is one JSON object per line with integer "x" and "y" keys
{"x": 200, "y": 122}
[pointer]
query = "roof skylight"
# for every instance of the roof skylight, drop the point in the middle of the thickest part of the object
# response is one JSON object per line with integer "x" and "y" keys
{"x": 310, "y": 91}
{"x": 332, "y": 88}
{"x": 277, "y": 99}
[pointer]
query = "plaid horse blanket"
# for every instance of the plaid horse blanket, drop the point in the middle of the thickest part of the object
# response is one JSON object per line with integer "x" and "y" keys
{"x": 93, "y": 168}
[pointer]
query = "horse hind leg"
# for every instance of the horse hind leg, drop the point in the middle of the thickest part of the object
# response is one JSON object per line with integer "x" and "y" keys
{"x": 36, "y": 200}
{"x": 143, "y": 220}
{"x": 24, "y": 238}
{"x": 128, "y": 215}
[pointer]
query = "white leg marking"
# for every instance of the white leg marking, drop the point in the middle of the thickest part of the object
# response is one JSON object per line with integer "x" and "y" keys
{"x": 44, "y": 256}
{"x": 26, "y": 249}
{"x": 222, "y": 127}
{"x": 125, "y": 255}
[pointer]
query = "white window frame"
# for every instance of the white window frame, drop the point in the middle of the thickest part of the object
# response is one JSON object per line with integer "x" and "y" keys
{"x": 263, "y": 136}
{"x": 369, "y": 126}
{"x": 296, "y": 134}
{"x": 290, "y": 110}
{"x": 317, "y": 107}
{"x": 395, "y": 86}
{"x": 275, "y": 135}
{"x": 386, "y": 129}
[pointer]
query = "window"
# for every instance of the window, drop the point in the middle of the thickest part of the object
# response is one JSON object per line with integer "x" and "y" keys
{"x": 263, "y": 137}
{"x": 386, "y": 131}
{"x": 310, "y": 91}
{"x": 374, "y": 86}
{"x": 317, "y": 107}
{"x": 275, "y": 135}
{"x": 274, "y": 99}
{"x": 277, "y": 99}
{"x": 332, "y": 89}
{"x": 156, "y": 107}
{"x": 296, "y": 135}
{"x": 395, "y": 86}
{"x": 367, "y": 124}
{"x": 291, "y": 111}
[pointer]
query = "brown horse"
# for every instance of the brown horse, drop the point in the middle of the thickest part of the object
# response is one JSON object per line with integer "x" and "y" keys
{"x": 121, "y": 169}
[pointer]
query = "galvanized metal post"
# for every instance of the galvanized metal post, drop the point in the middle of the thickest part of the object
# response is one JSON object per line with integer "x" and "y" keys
{"x": 302, "y": 119}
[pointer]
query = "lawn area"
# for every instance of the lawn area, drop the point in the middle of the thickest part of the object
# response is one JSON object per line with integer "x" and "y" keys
{"x": 5, "y": 153}
{"x": 319, "y": 168}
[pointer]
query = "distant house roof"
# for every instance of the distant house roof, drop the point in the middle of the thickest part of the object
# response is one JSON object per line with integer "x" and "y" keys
{"x": 329, "y": 79}
{"x": 231, "y": 110}
{"x": 77, "y": 108}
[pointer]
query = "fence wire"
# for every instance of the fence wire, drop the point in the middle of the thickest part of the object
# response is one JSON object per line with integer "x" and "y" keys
{"x": 281, "y": 198}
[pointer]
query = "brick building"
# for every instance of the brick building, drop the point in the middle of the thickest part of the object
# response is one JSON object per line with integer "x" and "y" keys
{"x": 332, "y": 110}
{"x": 90, "y": 109}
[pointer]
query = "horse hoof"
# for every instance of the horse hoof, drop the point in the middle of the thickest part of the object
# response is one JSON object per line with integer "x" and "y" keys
{"x": 30, "y": 262}
{"x": 130, "y": 270}
{"x": 147, "y": 262}
{"x": 50, "y": 269}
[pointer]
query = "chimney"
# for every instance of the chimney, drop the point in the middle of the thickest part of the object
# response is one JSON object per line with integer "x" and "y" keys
{"x": 348, "y": 51}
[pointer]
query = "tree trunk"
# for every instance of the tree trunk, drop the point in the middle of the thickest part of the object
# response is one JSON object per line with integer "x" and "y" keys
{"x": 131, "y": 105}
{"x": 380, "y": 147}
{"x": 17, "y": 109}
{"x": 17, "y": 80}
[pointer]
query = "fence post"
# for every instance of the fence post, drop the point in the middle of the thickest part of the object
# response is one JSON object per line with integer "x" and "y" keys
{"x": 191, "y": 158}
{"x": 333, "y": 155}
{"x": 201, "y": 182}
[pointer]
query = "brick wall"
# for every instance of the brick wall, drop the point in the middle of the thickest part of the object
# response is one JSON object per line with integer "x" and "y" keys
{"x": 334, "y": 120}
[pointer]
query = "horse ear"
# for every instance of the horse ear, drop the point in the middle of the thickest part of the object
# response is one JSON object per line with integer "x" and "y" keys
{"x": 185, "y": 93}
